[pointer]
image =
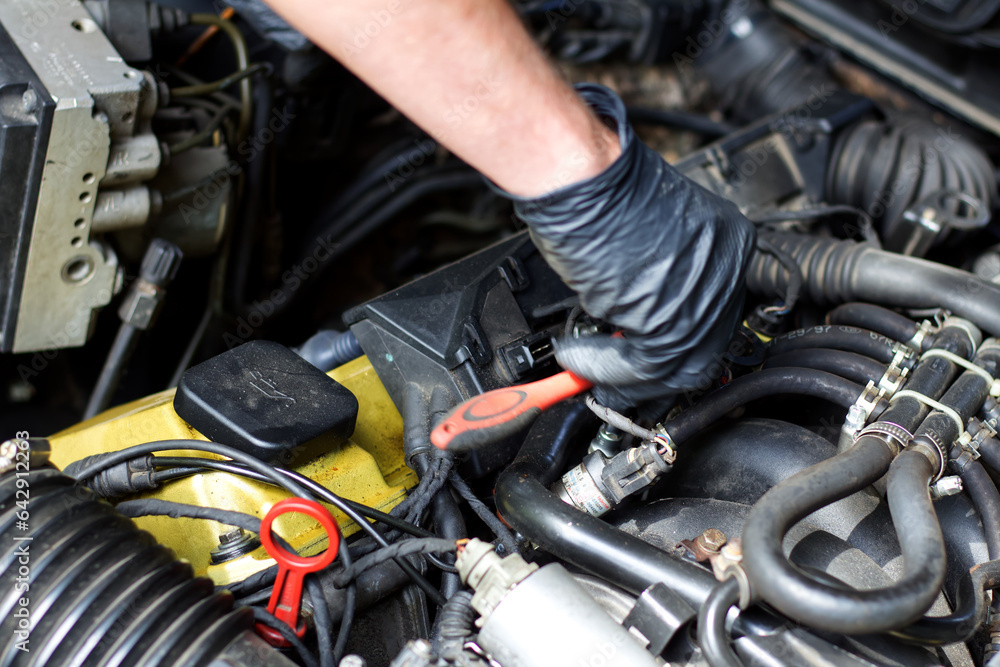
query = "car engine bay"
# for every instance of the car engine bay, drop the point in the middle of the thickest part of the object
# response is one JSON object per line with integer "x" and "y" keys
{"x": 278, "y": 371}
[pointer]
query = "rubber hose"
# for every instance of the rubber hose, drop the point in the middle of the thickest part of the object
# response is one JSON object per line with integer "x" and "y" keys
{"x": 887, "y": 167}
{"x": 848, "y": 365}
{"x": 762, "y": 384}
{"x": 577, "y": 538}
{"x": 712, "y": 635}
{"x": 329, "y": 349}
{"x": 878, "y": 319}
{"x": 763, "y": 72}
{"x": 841, "y": 271}
{"x": 779, "y": 583}
{"x": 989, "y": 451}
{"x": 786, "y": 588}
{"x": 976, "y": 481}
{"x": 969, "y": 613}
{"x": 835, "y": 337}
{"x": 101, "y": 589}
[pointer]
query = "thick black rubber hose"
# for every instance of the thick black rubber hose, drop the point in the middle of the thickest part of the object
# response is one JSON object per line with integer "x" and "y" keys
{"x": 580, "y": 539}
{"x": 969, "y": 613}
{"x": 712, "y": 636}
{"x": 842, "y": 271}
{"x": 875, "y": 318}
{"x": 985, "y": 497}
{"x": 989, "y": 452}
{"x": 765, "y": 383}
{"x": 793, "y": 593}
{"x": 448, "y": 523}
{"x": 848, "y": 365}
{"x": 773, "y": 577}
{"x": 836, "y": 337}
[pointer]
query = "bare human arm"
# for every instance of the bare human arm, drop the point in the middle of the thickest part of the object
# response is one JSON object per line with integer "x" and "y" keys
{"x": 649, "y": 252}
{"x": 468, "y": 73}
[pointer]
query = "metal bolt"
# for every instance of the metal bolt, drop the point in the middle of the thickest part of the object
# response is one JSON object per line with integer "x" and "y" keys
{"x": 232, "y": 536}
{"x": 733, "y": 549}
{"x": 711, "y": 540}
{"x": 30, "y": 100}
{"x": 353, "y": 661}
{"x": 946, "y": 486}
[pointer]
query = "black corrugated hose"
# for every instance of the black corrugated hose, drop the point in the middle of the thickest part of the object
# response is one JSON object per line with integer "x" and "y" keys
{"x": 843, "y": 271}
{"x": 100, "y": 588}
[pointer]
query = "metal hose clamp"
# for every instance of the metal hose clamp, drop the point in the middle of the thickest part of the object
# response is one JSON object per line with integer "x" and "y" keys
{"x": 924, "y": 329}
{"x": 859, "y": 413}
{"x": 893, "y": 435}
{"x": 929, "y": 440}
{"x": 895, "y": 374}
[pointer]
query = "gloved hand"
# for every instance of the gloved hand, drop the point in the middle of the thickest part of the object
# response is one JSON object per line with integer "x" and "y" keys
{"x": 652, "y": 253}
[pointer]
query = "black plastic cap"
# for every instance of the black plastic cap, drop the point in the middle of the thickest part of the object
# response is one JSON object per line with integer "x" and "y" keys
{"x": 160, "y": 263}
{"x": 265, "y": 400}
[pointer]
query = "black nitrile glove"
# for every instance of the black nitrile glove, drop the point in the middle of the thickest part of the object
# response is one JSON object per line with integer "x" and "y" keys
{"x": 652, "y": 253}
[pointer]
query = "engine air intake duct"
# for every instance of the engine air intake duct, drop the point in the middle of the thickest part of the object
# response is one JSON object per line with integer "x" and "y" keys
{"x": 841, "y": 271}
{"x": 97, "y": 590}
{"x": 900, "y": 169}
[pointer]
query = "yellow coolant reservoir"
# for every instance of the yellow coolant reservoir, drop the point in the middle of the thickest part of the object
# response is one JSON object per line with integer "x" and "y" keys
{"x": 368, "y": 468}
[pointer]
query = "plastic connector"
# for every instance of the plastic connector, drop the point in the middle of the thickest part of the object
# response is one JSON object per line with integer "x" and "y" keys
{"x": 160, "y": 263}
{"x": 122, "y": 479}
{"x": 491, "y": 576}
{"x": 142, "y": 302}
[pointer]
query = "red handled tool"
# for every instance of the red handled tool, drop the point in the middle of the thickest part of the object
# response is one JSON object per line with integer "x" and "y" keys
{"x": 497, "y": 414}
{"x": 286, "y": 596}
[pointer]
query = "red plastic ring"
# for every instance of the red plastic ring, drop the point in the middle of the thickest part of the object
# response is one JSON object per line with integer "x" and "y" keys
{"x": 290, "y": 560}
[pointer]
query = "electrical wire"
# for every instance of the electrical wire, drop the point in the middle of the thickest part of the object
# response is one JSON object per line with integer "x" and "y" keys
{"x": 204, "y": 38}
{"x": 320, "y": 491}
{"x": 795, "y": 279}
{"x": 193, "y": 465}
{"x": 322, "y": 622}
{"x": 242, "y": 63}
{"x": 220, "y": 84}
{"x": 121, "y": 456}
{"x": 202, "y": 134}
{"x": 619, "y": 421}
{"x": 219, "y": 97}
{"x": 284, "y": 480}
{"x": 418, "y": 545}
{"x": 262, "y": 616}
{"x": 498, "y": 527}
{"x": 156, "y": 507}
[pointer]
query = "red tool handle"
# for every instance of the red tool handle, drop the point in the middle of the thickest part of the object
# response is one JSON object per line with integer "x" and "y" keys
{"x": 286, "y": 596}
{"x": 497, "y": 414}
